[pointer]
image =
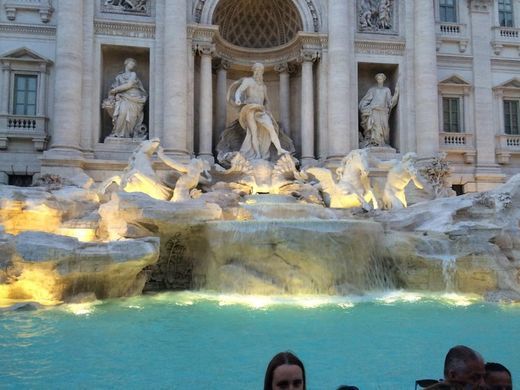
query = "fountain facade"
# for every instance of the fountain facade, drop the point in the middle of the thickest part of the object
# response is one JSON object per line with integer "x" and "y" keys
{"x": 250, "y": 151}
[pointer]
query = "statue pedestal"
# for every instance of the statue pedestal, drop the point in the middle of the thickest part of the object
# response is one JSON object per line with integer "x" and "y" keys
{"x": 382, "y": 152}
{"x": 115, "y": 148}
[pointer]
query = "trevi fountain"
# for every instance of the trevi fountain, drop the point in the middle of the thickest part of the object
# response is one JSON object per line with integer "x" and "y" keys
{"x": 186, "y": 272}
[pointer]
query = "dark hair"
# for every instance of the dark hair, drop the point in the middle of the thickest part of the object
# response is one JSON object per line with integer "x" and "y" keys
{"x": 279, "y": 360}
{"x": 497, "y": 367}
{"x": 458, "y": 357}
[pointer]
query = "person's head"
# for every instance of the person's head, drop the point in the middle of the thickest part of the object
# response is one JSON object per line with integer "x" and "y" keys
{"x": 285, "y": 372}
{"x": 380, "y": 78}
{"x": 498, "y": 377}
{"x": 130, "y": 63}
{"x": 464, "y": 366}
{"x": 258, "y": 69}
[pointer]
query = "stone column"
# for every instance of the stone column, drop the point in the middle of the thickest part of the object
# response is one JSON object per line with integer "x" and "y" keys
{"x": 307, "y": 114}
{"x": 340, "y": 51}
{"x": 284, "y": 96}
{"x": 425, "y": 64}
{"x": 487, "y": 171}
{"x": 206, "y": 102}
{"x": 322, "y": 109}
{"x": 4, "y": 107}
{"x": 68, "y": 74}
{"x": 175, "y": 61}
{"x": 190, "y": 120}
{"x": 221, "y": 103}
{"x": 40, "y": 106}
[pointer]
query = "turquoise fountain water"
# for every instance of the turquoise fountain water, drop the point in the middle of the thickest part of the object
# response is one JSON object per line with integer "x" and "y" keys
{"x": 199, "y": 341}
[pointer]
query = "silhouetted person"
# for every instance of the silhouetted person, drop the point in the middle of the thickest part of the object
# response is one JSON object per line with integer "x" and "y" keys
{"x": 463, "y": 370}
{"x": 498, "y": 377}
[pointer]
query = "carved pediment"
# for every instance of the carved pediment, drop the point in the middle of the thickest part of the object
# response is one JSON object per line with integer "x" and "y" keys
{"x": 455, "y": 80}
{"x": 513, "y": 83}
{"x": 24, "y": 54}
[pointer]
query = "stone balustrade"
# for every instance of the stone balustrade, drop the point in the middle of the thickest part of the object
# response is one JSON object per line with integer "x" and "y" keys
{"x": 458, "y": 143}
{"x": 452, "y": 32}
{"x": 43, "y": 7}
{"x": 509, "y": 142}
{"x": 20, "y": 127}
{"x": 456, "y": 140}
{"x": 451, "y": 29}
{"x": 507, "y": 33}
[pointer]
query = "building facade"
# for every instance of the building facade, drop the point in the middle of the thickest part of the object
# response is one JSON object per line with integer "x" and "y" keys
{"x": 455, "y": 63}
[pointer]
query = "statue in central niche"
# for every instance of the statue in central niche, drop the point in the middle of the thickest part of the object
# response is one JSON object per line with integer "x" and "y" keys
{"x": 262, "y": 130}
{"x": 375, "y": 108}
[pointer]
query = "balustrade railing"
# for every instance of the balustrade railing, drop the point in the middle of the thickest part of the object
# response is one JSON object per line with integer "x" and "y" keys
{"x": 510, "y": 142}
{"x": 450, "y": 29}
{"x": 507, "y": 33}
{"x": 456, "y": 140}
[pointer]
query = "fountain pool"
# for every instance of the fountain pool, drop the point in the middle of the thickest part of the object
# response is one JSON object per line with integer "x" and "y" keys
{"x": 205, "y": 341}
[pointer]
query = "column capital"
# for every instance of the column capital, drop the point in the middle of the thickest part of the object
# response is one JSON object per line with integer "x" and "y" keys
{"x": 204, "y": 48}
{"x": 6, "y": 65}
{"x": 221, "y": 64}
{"x": 284, "y": 67}
{"x": 308, "y": 55}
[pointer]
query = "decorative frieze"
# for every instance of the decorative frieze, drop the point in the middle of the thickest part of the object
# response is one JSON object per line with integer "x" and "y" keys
{"x": 380, "y": 47}
{"x": 135, "y": 30}
{"x": 43, "y": 7}
{"x": 129, "y": 7}
{"x": 32, "y": 29}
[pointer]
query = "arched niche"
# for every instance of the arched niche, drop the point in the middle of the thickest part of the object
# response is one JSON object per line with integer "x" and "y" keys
{"x": 310, "y": 13}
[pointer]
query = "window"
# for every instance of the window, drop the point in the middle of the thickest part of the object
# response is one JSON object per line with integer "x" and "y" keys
{"x": 451, "y": 114}
{"x": 511, "y": 116}
{"x": 20, "y": 180}
{"x": 25, "y": 94}
{"x": 448, "y": 11}
{"x": 505, "y": 13}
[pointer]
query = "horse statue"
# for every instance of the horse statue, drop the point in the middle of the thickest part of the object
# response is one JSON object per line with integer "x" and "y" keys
{"x": 352, "y": 188}
{"x": 399, "y": 175}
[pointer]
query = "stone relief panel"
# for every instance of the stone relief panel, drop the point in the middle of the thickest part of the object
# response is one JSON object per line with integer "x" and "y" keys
{"x": 133, "y": 7}
{"x": 376, "y": 16}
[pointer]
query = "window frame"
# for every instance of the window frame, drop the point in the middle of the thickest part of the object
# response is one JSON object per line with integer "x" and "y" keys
{"x": 460, "y": 110}
{"x": 511, "y": 13}
{"x": 512, "y": 130}
{"x": 14, "y": 93}
{"x": 455, "y": 11}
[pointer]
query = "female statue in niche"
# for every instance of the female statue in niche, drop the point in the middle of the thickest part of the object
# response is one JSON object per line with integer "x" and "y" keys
{"x": 125, "y": 104}
{"x": 375, "y": 109}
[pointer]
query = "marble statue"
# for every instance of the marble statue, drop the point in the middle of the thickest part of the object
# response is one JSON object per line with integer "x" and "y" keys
{"x": 262, "y": 130}
{"x": 399, "y": 175}
{"x": 375, "y": 108}
{"x": 140, "y": 176}
{"x": 384, "y": 14}
{"x": 365, "y": 14}
{"x": 192, "y": 175}
{"x": 125, "y": 104}
{"x": 352, "y": 188}
{"x": 127, "y": 5}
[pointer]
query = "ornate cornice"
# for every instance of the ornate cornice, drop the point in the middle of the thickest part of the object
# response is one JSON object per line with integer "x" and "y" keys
{"x": 244, "y": 57}
{"x": 135, "y": 30}
{"x": 17, "y": 28}
{"x": 380, "y": 47}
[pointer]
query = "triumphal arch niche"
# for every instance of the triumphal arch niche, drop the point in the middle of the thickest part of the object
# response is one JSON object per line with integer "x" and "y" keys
{"x": 284, "y": 36}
